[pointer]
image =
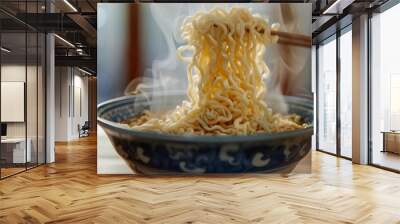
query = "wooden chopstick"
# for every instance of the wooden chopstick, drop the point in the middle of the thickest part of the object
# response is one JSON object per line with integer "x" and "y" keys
{"x": 293, "y": 39}
{"x": 293, "y": 42}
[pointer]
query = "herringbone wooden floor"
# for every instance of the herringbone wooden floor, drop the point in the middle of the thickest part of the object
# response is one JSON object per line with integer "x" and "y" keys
{"x": 69, "y": 191}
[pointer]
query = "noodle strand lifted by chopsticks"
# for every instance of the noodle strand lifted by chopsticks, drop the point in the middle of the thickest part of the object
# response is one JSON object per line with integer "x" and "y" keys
{"x": 226, "y": 79}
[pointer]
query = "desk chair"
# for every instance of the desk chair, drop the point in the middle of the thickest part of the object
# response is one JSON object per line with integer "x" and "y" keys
{"x": 84, "y": 130}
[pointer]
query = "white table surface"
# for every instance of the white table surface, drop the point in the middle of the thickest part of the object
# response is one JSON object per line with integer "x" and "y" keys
{"x": 108, "y": 161}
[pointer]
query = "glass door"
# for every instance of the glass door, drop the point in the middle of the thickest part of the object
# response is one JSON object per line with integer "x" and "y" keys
{"x": 334, "y": 95}
{"x": 327, "y": 96}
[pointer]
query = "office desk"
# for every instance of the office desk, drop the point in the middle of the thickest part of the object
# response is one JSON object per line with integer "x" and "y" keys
{"x": 18, "y": 150}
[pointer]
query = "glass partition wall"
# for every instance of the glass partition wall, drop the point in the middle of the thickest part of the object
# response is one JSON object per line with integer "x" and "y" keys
{"x": 14, "y": 156}
{"x": 334, "y": 93}
{"x": 385, "y": 90}
{"x": 22, "y": 98}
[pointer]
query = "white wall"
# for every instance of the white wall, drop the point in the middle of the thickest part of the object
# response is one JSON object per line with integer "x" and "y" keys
{"x": 61, "y": 103}
{"x": 70, "y": 83}
{"x": 16, "y": 73}
{"x": 12, "y": 73}
{"x": 80, "y": 85}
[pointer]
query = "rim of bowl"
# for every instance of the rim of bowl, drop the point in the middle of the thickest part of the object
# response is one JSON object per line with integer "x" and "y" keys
{"x": 149, "y": 135}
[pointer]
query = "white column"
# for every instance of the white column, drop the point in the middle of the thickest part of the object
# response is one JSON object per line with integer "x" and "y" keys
{"x": 50, "y": 100}
{"x": 360, "y": 90}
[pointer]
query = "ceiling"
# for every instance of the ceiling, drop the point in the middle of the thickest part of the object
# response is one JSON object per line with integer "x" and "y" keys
{"x": 76, "y": 21}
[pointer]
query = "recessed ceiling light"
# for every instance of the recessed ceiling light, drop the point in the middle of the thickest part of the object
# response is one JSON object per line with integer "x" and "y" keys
{"x": 338, "y": 6}
{"x": 5, "y": 50}
{"x": 84, "y": 71}
{"x": 65, "y": 41}
{"x": 70, "y": 5}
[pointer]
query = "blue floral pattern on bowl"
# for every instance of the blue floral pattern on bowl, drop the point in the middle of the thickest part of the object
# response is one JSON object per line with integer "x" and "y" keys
{"x": 161, "y": 153}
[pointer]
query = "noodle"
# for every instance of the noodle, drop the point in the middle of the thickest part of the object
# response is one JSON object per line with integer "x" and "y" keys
{"x": 226, "y": 79}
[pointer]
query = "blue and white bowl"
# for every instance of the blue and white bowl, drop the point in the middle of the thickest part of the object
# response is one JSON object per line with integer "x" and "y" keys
{"x": 151, "y": 152}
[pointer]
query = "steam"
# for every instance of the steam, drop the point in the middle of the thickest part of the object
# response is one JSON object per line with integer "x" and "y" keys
{"x": 168, "y": 77}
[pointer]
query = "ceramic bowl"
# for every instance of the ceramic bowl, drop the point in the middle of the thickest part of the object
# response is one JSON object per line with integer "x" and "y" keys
{"x": 151, "y": 152}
